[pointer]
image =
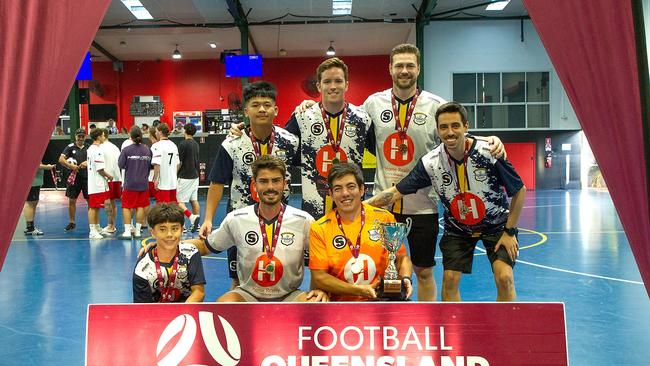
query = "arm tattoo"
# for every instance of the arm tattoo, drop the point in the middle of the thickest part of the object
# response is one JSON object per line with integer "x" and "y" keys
{"x": 382, "y": 199}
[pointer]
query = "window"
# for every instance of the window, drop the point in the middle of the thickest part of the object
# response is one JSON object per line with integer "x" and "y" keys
{"x": 504, "y": 100}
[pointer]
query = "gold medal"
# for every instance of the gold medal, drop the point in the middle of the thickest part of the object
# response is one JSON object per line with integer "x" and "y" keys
{"x": 403, "y": 148}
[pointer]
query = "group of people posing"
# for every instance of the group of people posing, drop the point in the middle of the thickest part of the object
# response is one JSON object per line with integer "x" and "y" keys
{"x": 424, "y": 156}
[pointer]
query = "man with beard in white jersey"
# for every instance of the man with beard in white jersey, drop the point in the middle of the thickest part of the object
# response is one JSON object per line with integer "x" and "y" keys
{"x": 270, "y": 237}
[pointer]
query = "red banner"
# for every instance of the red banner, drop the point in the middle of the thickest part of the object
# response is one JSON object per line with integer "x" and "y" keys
{"x": 341, "y": 334}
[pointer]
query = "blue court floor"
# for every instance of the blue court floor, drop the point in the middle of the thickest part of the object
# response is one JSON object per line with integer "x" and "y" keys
{"x": 573, "y": 250}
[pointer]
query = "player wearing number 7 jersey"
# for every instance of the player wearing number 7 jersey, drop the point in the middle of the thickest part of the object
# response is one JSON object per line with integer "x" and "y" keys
{"x": 165, "y": 163}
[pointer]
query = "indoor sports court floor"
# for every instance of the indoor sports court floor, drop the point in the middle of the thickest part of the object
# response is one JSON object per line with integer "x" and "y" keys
{"x": 573, "y": 251}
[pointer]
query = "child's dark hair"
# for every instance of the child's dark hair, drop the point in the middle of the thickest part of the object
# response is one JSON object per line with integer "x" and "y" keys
{"x": 262, "y": 89}
{"x": 165, "y": 212}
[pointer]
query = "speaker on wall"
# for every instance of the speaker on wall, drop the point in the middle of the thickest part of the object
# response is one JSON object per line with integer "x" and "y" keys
{"x": 84, "y": 96}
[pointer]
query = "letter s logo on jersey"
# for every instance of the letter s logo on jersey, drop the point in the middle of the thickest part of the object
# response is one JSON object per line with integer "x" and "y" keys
{"x": 186, "y": 325}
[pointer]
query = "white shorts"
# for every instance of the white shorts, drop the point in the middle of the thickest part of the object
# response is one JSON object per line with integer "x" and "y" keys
{"x": 290, "y": 297}
{"x": 187, "y": 190}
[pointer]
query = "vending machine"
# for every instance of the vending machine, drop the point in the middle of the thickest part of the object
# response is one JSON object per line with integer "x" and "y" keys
{"x": 193, "y": 117}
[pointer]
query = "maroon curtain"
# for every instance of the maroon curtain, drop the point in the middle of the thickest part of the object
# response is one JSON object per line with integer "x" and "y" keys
{"x": 592, "y": 46}
{"x": 42, "y": 45}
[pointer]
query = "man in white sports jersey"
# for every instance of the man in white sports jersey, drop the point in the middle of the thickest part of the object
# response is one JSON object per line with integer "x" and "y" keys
{"x": 165, "y": 163}
{"x": 111, "y": 156}
{"x": 97, "y": 182}
{"x": 270, "y": 237}
{"x": 232, "y": 165}
{"x": 398, "y": 143}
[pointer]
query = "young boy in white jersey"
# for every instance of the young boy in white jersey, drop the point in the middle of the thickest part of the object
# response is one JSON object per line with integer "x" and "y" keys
{"x": 165, "y": 163}
{"x": 97, "y": 182}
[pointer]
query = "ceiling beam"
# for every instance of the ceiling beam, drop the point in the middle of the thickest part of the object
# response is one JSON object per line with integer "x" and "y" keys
{"x": 101, "y": 49}
{"x": 237, "y": 12}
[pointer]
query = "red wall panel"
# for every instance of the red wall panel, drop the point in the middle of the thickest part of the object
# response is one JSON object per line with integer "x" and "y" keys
{"x": 200, "y": 84}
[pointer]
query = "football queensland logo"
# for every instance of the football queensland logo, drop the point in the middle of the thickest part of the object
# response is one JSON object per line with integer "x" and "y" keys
{"x": 185, "y": 324}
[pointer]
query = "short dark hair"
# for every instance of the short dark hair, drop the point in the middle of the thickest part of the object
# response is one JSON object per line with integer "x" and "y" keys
{"x": 452, "y": 107}
{"x": 405, "y": 48}
{"x": 269, "y": 162}
{"x": 342, "y": 169}
{"x": 165, "y": 212}
{"x": 330, "y": 63}
{"x": 190, "y": 129}
{"x": 96, "y": 132}
{"x": 155, "y": 123}
{"x": 91, "y": 126}
{"x": 262, "y": 89}
{"x": 163, "y": 128}
{"x": 136, "y": 134}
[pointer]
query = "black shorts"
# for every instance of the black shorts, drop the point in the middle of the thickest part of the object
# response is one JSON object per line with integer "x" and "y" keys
{"x": 33, "y": 194}
{"x": 422, "y": 238}
{"x": 458, "y": 251}
{"x": 232, "y": 262}
{"x": 79, "y": 186}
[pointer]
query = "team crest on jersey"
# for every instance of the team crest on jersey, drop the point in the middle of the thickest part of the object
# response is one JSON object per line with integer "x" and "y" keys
{"x": 480, "y": 174}
{"x": 373, "y": 234}
{"x": 317, "y": 129}
{"x": 386, "y": 115}
{"x": 339, "y": 242}
{"x": 446, "y": 179}
{"x": 251, "y": 238}
{"x": 350, "y": 130}
{"x": 419, "y": 118}
{"x": 248, "y": 158}
{"x": 282, "y": 154}
{"x": 287, "y": 238}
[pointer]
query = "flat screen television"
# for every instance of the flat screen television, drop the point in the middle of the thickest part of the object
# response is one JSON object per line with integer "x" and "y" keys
{"x": 102, "y": 112}
{"x": 239, "y": 66}
{"x": 85, "y": 71}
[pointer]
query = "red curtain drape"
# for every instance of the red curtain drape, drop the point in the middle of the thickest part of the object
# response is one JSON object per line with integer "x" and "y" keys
{"x": 42, "y": 45}
{"x": 592, "y": 46}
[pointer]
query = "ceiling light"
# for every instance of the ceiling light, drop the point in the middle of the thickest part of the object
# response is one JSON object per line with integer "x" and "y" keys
{"x": 498, "y": 5}
{"x": 176, "y": 55}
{"x": 213, "y": 45}
{"x": 341, "y": 7}
{"x": 137, "y": 9}
{"x": 331, "y": 51}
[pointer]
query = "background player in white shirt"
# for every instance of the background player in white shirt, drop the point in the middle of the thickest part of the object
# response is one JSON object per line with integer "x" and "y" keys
{"x": 165, "y": 163}
{"x": 97, "y": 182}
{"x": 111, "y": 155}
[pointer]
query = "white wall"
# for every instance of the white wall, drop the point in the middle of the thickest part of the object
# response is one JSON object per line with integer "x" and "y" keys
{"x": 490, "y": 46}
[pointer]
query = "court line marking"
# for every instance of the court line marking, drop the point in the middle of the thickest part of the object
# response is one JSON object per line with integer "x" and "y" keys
{"x": 573, "y": 272}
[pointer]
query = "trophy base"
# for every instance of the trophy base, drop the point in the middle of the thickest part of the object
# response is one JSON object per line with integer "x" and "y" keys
{"x": 391, "y": 290}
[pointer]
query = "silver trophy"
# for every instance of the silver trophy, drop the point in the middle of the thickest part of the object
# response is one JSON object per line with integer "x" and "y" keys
{"x": 392, "y": 235}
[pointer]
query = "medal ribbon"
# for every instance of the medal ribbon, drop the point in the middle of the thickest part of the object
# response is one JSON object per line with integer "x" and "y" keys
{"x": 256, "y": 143}
{"x": 330, "y": 137}
{"x": 401, "y": 129}
{"x": 452, "y": 164}
{"x": 167, "y": 293}
{"x": 270, "y": 248}
{"x": 54, "y": 178}
{"x": 356, "y": 247}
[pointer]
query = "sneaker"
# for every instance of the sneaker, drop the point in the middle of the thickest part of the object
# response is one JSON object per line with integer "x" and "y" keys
{"x": 194, "y": 221}
{"x": 126, "y": 235}
{"x": 107, "y": 231}
{"x": 95, "y": 235}
{"x": 70, "y": 226}
{"x": 137, "y": 236}
{"x": 35, "y": 231}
